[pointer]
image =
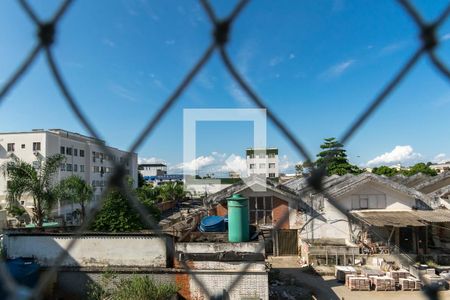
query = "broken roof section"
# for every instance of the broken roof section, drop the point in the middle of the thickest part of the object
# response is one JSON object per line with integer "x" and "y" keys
{"x": 382, "y": 218}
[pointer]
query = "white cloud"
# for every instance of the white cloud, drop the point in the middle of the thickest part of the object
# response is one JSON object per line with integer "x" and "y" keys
{"x": 399, "y": 155}
{"x": 445, "y": 37}
{"x": 108, "y": 42}
{"x": 122, "y": 92}
{"x": 337, "y": 70}
{"x": 441, "y": 158}
{"x": 169, "y": 42}
{"x": 276, "y": 60}
{"x": 291, "y": 56}
{"x": 196, "y": 164}
{"x": 235, "y": 163}
{"x": 285, "y": 165}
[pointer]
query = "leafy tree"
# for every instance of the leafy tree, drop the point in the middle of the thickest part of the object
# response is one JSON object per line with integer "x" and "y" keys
{"x": 420, "y": 168}
{"x": 334, "y": 159}
{"x": 75, "y": 189}
{"x": 172, "y": 191}
{"x": 117, "y": 215}
{"x": 37, "y": 181}
{"x": 385, "y": 170}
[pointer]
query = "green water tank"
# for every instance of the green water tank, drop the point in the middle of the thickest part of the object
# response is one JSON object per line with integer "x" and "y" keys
{"x": 238, "y": 223}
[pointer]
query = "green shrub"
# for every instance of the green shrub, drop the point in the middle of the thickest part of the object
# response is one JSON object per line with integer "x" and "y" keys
{"x": 133, "y": 288}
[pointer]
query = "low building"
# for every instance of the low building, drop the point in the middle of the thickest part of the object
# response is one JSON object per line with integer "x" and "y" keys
{"x": 273, "y": 208}
{"x": 148, "y": 170}
{"x": 443, "y": 167}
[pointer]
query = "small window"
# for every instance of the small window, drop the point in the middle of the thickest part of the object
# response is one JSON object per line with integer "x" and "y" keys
{"x": 252, "y": 166}
{"x": 271, "y": 175}
{"x": 69, "y": 167}
{"x": 252, "y": 203}
{"x": 69, "y": 151}
{"x": 63, "y": 167}
{"x": 75, "y": 152}
{"x": 271, "y": 166}
{"x": 262, "y": 166}
{"x": 260, "y": 203}
{"x": 75, "y": 168}
{"x": 10, "y": 147}
{"x": 23, "y": 146}
{"x": 271, "y": 155}
{"x": 364, "y": 202}
{"x": 81, "y": 153}
{"x": 63, "y": 150}
{"x": 81, "y": 168}
{"x": 268, "y": 203}
{"x": 36, "y": 146}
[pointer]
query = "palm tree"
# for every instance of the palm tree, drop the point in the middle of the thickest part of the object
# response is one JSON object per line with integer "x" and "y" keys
{"x": 37, "y": 181}
{"x": 75, "y": 190}
{"x": 172, "y": 192}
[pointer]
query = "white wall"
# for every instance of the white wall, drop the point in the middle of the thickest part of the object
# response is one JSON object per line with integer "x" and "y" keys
{"x": 337, "y": 226}
{"x": 90, "y": 250}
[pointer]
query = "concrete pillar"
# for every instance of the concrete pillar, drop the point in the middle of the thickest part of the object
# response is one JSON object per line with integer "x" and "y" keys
{"x": 397, "y": 239}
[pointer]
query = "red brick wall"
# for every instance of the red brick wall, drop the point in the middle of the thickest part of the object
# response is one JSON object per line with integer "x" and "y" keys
{"x": 280, "y": 208}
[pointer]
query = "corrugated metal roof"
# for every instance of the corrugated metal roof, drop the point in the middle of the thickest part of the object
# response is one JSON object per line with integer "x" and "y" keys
{"x": 434, "y": 216}
{"x": 382, "y": 218}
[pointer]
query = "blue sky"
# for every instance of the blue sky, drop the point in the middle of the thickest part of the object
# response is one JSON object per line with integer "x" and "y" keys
{"x": 317, "y": 64}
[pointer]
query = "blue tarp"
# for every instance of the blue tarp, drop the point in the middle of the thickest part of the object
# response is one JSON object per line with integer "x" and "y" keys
{"x": 25, "y": 271}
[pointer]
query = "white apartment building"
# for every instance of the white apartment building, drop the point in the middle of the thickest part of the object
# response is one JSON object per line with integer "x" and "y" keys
{"x": 262, "y": 162}
{"x": 84, "y": 157}
{"x": 152, "y": 169}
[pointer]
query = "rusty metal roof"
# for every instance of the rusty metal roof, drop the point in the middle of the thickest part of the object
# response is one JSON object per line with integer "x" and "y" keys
{"x": 382, "y": 218}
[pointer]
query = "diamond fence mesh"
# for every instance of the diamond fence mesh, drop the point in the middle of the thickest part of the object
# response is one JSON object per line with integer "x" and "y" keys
{"x": 46, "y": 32}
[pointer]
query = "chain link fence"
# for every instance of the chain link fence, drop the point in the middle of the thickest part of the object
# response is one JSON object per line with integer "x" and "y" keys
{"x": 46, "y": 32}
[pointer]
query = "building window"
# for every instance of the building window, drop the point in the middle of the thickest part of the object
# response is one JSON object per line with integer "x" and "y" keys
{"x": 251, "y": 156}
{"x": 75, "y": 168}
{"x": 69, "y": 151}
{"x": 63, "y": 167}
{"x": 23, "y": 146}
{"x": 81, "y": 153}
{"x": 75, "y": 152}
{"x": 261, "y": 210}
{"x": 368, "y": 201}
{"x": 63, "y": 150}
{"x": 271, "y": 166}
{"x": 36, "y": 146}
{"x": 262, "y": 166}
{"x": 271, "y": 175}
{"x": 10, "y": 147}
{"x": 93, "y": 156}
{"x": 69, "y": 167}
{"x": 252, "y": 166}
{"x": 81, "y": 168}
{"x": 271, "y": 155}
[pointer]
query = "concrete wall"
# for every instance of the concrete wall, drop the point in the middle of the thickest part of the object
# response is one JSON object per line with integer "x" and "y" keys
{"x": 91, "y": 250}
{"x": 251, "y": 247}
{"x": 248, "y": 285}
